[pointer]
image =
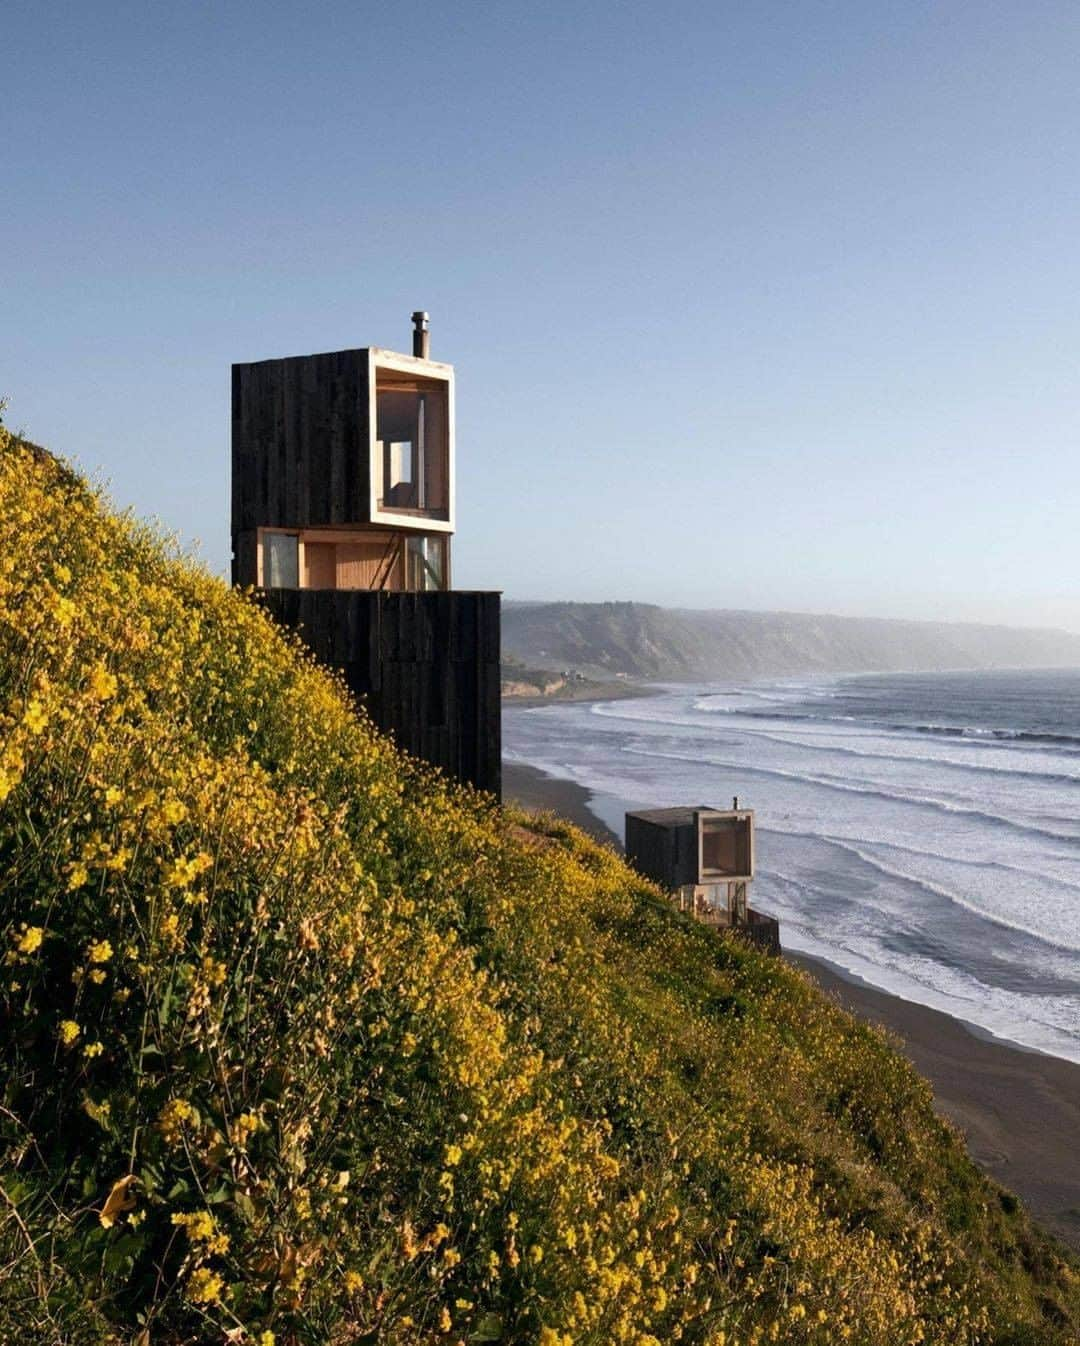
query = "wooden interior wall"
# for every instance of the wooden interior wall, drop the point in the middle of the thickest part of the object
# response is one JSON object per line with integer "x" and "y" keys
{"x": 426, "y": 666}
{"x": 360, "y": 562}
{"x": 320, "y": 565}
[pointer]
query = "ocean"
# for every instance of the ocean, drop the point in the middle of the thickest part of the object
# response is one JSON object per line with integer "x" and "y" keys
{"x": 919, "y": 831}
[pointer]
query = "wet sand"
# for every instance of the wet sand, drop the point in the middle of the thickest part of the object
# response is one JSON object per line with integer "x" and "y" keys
{"x": 1020, "y": 1110}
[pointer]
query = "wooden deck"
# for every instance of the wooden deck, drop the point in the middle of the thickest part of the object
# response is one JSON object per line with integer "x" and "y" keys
{"x": 760, "y": 930}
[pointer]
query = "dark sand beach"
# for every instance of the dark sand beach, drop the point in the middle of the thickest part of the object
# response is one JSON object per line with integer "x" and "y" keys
{"x": 1020, "y": 1110}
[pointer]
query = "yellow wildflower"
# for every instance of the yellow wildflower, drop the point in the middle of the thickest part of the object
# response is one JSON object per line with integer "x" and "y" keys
{"x": 63, "y": 611}
{"x": 185, "y": 869}
{"x": 99, "y": 952}
{"x": 69, "y": 1031}
{"x": 101, "y": 684}
{"x": 30, "y": 940}
{"x": 243, "y": 1128}
{"x": 175, "y": 1115}
{"x": 36, "y": 717}
{"x": 170, "y": 930}
{"x": 93, "y": 1049}
{"x": 549, "y": 1337}
{"x": 214, "y": 971}
{"x": 199, "y": 1225}
{"x": 201, "y": 1228}
{"x": 205, "y": 1286}
{"x": 173, "y": 811}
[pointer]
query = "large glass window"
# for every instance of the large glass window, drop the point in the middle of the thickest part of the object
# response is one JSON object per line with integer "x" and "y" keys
{"x": 425, "y": 563}
{"x": 281, "y": 561}
{"x": 412, "y": 448}
{"x": 725, "y": 848}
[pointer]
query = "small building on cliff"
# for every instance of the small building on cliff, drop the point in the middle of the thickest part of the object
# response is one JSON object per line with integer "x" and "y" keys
{"x": 343, "y": 518}
{"x": 705, "y": 858}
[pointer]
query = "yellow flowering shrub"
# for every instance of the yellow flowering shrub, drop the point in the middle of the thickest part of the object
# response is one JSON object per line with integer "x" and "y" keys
{"x": 305, "y": 1044}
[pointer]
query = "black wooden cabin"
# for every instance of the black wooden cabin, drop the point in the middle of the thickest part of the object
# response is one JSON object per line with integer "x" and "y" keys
{"x": 342, "y": 519}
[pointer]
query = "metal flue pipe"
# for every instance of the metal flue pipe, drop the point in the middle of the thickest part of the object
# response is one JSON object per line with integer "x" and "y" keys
{"x": 421, "y": 337}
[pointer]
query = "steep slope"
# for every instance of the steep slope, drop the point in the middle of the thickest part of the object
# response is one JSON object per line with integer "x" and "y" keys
{"x": 639, "y": 640}
{"x": 301, "y": 1044}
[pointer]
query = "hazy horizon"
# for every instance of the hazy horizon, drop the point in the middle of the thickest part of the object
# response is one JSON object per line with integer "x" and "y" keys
{"x": 514, "y": 599}
{"x": 767, "y": 308}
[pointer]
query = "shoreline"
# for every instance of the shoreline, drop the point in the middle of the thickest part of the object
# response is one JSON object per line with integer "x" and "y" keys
{"x": 1018, "y": 1109}
{"x": 576, "y": 693}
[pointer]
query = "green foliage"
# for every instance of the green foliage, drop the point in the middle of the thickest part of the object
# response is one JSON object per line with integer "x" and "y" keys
{"x": 303, "y": 1044}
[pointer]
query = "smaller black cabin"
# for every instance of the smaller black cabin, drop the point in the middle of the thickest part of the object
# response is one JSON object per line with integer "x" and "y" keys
{"x": 675, "y": 847}
{"x": 705, "y": 858}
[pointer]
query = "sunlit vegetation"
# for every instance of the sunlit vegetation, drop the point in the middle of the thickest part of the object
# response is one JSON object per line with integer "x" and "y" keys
{"x": 302, "y": 1044}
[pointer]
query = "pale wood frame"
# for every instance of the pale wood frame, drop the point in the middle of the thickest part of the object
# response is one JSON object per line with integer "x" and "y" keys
{"x": 702, "y": 816}
{"x": 433, "y": 372}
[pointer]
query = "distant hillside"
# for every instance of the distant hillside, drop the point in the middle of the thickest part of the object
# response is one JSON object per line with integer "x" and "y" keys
{"x": 640, "y": 640}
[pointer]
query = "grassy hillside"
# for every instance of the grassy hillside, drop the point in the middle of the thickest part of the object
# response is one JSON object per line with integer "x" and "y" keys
{"x": 303, "y": 1045}
{"x": 640, "y": 640}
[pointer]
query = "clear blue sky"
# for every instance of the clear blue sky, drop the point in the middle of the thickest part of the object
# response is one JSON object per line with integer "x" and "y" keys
{"x": 752, "y": 304}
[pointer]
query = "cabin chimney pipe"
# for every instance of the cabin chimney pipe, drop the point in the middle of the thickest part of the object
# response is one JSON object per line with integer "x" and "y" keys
{"x": 421, "y": 337}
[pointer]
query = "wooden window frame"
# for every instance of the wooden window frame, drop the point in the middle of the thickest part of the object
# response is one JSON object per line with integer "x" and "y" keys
{"x": 404, "y": 373}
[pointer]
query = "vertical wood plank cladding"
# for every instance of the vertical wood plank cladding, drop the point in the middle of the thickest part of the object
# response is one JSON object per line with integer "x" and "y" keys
{"x": 271, "y": 422}
{"x": 336, "y": 433}
{"x": 245, "y": 563}
{"x": 300, "y": 441}
{"x": 312, "y": 490}
{"x": 358, "y": 462}
{"x": 438, "y": 697}
{"x": 288, "y": 455}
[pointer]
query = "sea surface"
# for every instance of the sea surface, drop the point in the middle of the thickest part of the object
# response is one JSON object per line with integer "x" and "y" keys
{"x": 919, "y": 831}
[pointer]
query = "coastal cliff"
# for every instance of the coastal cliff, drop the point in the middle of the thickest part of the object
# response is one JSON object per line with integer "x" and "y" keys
{"x": 303, "y": 1043}
{"x": 640, "y": 640}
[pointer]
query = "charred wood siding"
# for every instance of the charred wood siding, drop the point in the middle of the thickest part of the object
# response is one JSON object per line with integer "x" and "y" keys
{"x": 667, "y": 853}
{"x": 300, "y": 439}
{"x": 762, "y": 931}
{"x": 426, "y": 666}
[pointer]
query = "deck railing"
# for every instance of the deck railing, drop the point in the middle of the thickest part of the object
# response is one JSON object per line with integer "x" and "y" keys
{"x": 760, "y": 930}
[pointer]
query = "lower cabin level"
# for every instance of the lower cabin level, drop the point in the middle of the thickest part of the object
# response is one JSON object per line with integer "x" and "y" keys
{"x": 713, "y": 904}
{"x": 342, "y": 558}
{"x": 425, "y": 665}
